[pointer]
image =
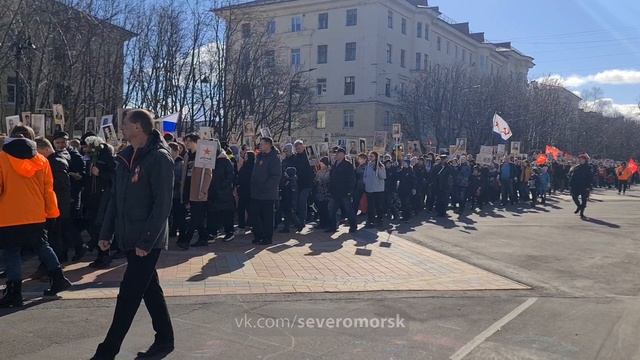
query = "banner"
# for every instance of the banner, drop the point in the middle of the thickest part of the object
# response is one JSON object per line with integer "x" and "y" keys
{"x": 58, "y": 117}
{"x": 38, "y": 125}
{"x": 396, "y": 132}
{"x": 90, "y": 125}
{"x": 205, "y": 133}
{"x": 206, "y": 154}
{"x": 484, "y": 159}
{"x": 486, "y": 149}
{"x": 542, "y": 160}
{"x": 515, "y": 148}
{"x": 380, "y": 142}
{"x": 11, "y": 122}
{"x": 501, "y": 127}
{"x": 501, "y": 150}
{"x": 633, "y": 166}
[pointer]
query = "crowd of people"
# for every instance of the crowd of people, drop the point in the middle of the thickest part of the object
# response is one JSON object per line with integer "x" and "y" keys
{"x": 277, "y": 188}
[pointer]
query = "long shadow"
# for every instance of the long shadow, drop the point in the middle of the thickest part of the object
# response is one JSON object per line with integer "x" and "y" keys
{"x": 27, "y": 305}
{"x": 601, "y": 223}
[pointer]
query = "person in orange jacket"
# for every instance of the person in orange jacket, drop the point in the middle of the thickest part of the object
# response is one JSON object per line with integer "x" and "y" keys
{"x": 624, "y": 173}
{"x": 27, "y": 200}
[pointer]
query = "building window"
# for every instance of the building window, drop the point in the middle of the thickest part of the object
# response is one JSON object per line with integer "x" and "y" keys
{"x": 349, "y": 85}
{"x": 426, "y": 31}
{"x": 352, "y": 17}
{"x": 270, "y": 58}
{"x": 390, "y": 19}
{"x": 321, "y": 119}
{"x": 271, "y": 27}
{"x": 323, "y": 54}
{"x": 350, "y": 52}
{"x": 389, "y": 53}
{"x": 425, "y": 60}
{"x": 439, "y": 43}
{"x": 387, "y": 88}
{"x": 11, "y": 90}
{"x": 295, "y": 57}
{"x": 323, "y": 21}
{"x": 246, "y": 30}
{"x": 296, "y": 24}
{"x": 418, "y": 61}
{"x": 403, "y": 26}
{"x": 419, "y": 30}
{"x": 402, "y": 89}
{"x": 348, "y": 119}
{"x": 387, "y": 120}
{"x": 403, "y": 58}
{"x": 321, "y": 86}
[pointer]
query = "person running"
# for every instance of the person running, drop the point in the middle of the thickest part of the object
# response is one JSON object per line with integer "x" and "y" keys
{"x": 138, "y": 215}
{"x": 580, "y": 183}
{"x": 27, "y": 201}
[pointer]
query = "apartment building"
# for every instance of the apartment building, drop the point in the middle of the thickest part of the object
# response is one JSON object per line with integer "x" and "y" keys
{"x": 364, "y": 53}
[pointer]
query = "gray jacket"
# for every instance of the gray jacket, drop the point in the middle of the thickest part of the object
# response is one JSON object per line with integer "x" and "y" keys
{"x": 265, "y": 178}
{"x": 374, "y": 180}
{"x": 141, "y": 197}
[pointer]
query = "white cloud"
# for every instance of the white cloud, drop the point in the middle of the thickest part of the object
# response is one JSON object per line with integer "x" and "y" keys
{"x": 607, "y": 77}
{"x": 608, "y": 107}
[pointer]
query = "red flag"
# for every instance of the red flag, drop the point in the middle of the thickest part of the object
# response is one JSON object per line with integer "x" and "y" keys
{"x": 633, "y": 166}
{"x": 554, "y": 151}
{"x": 541, "y": 160}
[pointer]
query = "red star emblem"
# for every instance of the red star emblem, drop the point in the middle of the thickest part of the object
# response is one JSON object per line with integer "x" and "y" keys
{"x": 207, "y": 151}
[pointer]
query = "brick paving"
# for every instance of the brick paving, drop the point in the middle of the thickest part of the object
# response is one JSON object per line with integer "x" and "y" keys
{"x": 310, "y": 262}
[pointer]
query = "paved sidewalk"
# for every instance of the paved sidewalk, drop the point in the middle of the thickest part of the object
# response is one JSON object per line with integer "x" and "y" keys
{"x": 310, "y": 262}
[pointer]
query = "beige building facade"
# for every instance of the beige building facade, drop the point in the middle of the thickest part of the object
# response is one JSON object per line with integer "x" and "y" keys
{"x": 365, "y": 52}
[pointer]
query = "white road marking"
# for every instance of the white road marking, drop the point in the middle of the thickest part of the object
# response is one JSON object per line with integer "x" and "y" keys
{"x": 480, "y": 338}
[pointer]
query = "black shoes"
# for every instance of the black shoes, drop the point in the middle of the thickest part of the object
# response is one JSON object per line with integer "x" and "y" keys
{"x": 58, "y": 283}
{"x": 200, "y": 243}
{"x": 156, "y": 350}
{"x": 578, "y": 209}
{"x": 353, "y": 229}
{"x": 229, "y": 237}
{"x": 80, "y": 252}
{"x": 12, "y": 295}
{"x": 266, "y": 242}
{"x": 101, "y": 263}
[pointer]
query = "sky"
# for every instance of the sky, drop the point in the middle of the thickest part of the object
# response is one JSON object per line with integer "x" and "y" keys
{"x": 583, "y": 43}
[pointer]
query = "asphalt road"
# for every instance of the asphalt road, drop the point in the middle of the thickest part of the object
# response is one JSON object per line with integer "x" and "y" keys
{"x": 583, "y": 303}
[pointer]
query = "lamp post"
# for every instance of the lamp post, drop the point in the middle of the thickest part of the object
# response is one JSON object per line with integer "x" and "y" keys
{"x": 19, "y": 45}
{"x": 293, "y": 78}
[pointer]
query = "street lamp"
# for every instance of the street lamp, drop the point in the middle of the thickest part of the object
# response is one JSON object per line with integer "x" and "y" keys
{"x": 19, "y": 45}
{"x": 293, "y": 78}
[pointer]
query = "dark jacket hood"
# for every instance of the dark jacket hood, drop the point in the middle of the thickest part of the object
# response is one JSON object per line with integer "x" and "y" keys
{"x": 20, "y": 148}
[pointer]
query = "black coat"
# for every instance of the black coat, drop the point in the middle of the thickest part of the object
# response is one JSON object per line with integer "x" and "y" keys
{"x": 59, "y": 162}
{"x": 342, "y": 180}
{"x": 221, "y": 188}
{"x": 581, "y": 178}
{"x": 407, "y": 182}
{"x": 265, "y": 178}
{"x": 141, "y": 197}
{"x": 304, "y": 170}
{"x": 244, "y": 180}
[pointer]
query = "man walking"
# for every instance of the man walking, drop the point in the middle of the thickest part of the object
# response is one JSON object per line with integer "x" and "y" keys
{"x": 137, "y": 214}
{"x": 342, "y": 182}
{"x": 581, "y": 179}
{"x": 265, "y": 180}
{"x": 305, "y": 181}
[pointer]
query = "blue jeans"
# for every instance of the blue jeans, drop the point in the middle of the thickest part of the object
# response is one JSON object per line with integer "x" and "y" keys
{"x": 303, "y": 205}
{"x": 35, "y": 236}
{"x": 346, "y": 209}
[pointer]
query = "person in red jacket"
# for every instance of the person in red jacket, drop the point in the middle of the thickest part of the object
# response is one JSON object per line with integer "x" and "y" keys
{"x": 27, "y": 200}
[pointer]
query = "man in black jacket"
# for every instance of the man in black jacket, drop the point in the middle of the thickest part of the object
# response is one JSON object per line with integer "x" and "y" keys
{"x": 305, "y": 181}
{"x": 342, "y": 182}
{"x": 265, "y": 182}
{"x": 137, "y": 214}
{"x": 581, "y": 184}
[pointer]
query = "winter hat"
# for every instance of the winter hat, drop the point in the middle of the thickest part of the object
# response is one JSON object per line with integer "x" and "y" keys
{"x": 288, "y": 148}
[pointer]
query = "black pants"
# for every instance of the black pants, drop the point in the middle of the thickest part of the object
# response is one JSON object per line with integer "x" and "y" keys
{"x": 140, "y": 281}
{"x": 262, "y": 215}
{"x": 323, "y": 212}
{"x": 198, "y": 211}
{"x": 441, "y": 202}
{"x": 580, "y": 198}
{"x": 622, "y": 186}
{"x": 220, "y": 219}
{"x": 178, "y": 218}
{"x": 375, "y": 207}
{"x": 346, "y": 210}
{"x": 243, "y": 210}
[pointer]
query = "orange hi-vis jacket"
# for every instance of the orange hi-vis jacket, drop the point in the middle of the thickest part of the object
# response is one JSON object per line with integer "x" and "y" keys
{"x": 26, "y": 189}
{"x": 624, "y": 174}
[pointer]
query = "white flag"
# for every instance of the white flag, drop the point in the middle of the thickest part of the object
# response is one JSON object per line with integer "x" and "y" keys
{"x": 501, "y": 127}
